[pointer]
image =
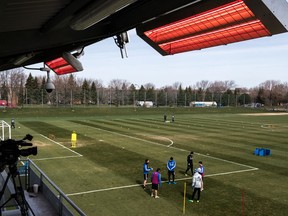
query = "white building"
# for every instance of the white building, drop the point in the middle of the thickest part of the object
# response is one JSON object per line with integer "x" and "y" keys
{"x": 203, "y": 104}
{"x": 144, "y": 103}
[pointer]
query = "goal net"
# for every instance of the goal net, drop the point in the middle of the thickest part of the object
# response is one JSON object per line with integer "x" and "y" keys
{"x": 5, "y": 131}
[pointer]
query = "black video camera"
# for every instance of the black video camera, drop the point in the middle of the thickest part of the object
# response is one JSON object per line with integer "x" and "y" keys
{"x": 10, "y": 151}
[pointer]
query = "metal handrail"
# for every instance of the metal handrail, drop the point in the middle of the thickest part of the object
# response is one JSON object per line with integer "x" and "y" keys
{"x": 60, "y": 192}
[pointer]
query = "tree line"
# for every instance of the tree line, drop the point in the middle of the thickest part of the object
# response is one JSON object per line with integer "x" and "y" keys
{"x": 19, "y": 89}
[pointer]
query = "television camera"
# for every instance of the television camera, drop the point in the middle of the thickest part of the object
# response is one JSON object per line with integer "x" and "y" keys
{"x": 11, "y": 150}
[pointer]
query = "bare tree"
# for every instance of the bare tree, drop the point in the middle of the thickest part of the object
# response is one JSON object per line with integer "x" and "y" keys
{"x": 13, "y": 80}
{"x": 202, "y": 87}
{"x": 118, "y": 88}
{"x": 270, "y": 91}
{"x": 221, "y": 86}
{"x": 176, "y": 85}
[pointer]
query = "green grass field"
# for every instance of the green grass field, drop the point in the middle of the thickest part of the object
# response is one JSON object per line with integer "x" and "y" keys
{"x": 103, "y": 175}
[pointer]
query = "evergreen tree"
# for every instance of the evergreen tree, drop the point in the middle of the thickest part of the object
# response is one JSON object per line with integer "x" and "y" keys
{"x": 132, "y": 95}
{"x": 30, "y": 86}
{"x": 244, "y": 99}
{"x": 260, "y": 98}
{"x": 85, "y": 92}
{"x": 93, "y": 93}
{"x": 181, "y": 97}
{"x": 208, "y": 95}
{"x": 71, "y": 85}
{"x": 189, "y": 96}
{"x": 161, "y": 98}
{"x": 124, "y": 94}
{"x": 37, "y": 95}
{"x": 150, "y": 94}
{"x": 142, "y": 93}
{"x": 43, "y": 91}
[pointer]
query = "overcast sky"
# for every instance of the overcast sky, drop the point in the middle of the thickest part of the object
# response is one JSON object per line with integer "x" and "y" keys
{"x": 248, "y": 63}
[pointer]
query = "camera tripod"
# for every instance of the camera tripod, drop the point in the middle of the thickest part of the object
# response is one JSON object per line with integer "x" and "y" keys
{"x": 18, "y": 196}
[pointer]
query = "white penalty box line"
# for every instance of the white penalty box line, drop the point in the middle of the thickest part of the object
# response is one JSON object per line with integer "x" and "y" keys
{"x": 50, "y": 158}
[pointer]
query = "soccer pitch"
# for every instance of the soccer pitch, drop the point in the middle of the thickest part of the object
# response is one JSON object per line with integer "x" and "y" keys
{"x": 103, "y": 175}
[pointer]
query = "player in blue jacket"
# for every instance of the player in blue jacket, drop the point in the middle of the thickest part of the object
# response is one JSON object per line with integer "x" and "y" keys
{"x": 146, "y": 170}
{"x": 171, "y": 165}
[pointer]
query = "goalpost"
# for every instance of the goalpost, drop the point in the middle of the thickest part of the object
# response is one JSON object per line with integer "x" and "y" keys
{"x": 5, "y": 130}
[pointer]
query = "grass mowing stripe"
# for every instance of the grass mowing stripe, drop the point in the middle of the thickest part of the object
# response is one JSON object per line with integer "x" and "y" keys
{"x": 155, "y": 143}
{"x": 210, "y": 142}
{"x": 118, "y": 133}
{"x": 210, "y": 128}
{"x": 46, "y": 129}
{"x": 96, "y": 124}
{"x": 239, "y": 137}
{"x": 214, "y": 140}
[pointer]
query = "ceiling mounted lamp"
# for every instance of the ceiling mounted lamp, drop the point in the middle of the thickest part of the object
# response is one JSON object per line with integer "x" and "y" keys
{"x": 22, "y": 59}
{"x": 65, "y": 64}
{"x": 234, "y": 21}
{"x": 97, "y": 11}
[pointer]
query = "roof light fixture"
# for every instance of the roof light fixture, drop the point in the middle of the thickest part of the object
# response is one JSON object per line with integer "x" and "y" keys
{"x": 235, "y": 21}
{"x": 65, "y": 64}
{"x": 23, "y": 58}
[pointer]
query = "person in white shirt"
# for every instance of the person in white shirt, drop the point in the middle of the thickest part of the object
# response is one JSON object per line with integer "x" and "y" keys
{"x": 196, "y": 184}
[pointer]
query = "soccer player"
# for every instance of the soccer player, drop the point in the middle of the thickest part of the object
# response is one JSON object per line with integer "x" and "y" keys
{"x": 165, "y": 117}
{"x": 189, "y": 163}
{"x": 156, "y": 182}
{"x": 196, "y": 184}
{"x": 12, "y": 123}
{"x": 202, "y": 174}
{"x": 171, "y": 165}
{"x": 146, "y": 170}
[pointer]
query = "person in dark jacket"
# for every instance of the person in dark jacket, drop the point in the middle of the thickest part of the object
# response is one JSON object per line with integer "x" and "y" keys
{"x": 189, "y": 163}
{"x": 12, "y": 123}
{"x": 165, "y": 117}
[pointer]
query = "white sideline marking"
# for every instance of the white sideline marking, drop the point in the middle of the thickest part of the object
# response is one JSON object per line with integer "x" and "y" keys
{"x": 215, "y": 158}
{"x": 138, "y": 185}
{"x": 40, "y": 159}
{"x": 79, "y": 155}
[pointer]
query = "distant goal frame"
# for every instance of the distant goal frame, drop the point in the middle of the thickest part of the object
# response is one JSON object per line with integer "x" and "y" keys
{"x": 4, "y": 133}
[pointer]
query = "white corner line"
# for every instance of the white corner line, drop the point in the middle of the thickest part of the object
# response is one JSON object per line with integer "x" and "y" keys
{"x": 61, "y": 145}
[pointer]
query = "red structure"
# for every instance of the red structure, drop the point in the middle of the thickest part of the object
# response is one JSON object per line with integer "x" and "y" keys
{"x": 65, "y": 64}
{"x": 204, "y": 26}
{"x": 3, "y": 103}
